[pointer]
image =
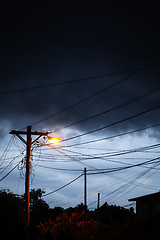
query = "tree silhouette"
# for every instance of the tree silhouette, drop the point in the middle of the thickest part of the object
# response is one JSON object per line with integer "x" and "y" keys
{"x": 38, "y": 207}
{"x": 12, "y": 217}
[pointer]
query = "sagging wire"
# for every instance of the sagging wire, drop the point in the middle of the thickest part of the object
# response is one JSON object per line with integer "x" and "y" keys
{"x": 17, "y": 144}
{"x": 11, "y": 162}
{"x": 63, "y": 186}
{"x": 3, "y": 157}
{"x": 9, "y": 172}
{"x": 155, "y": 165}
{"x": 75, "y": 160}
{"x": 129, "y": 182}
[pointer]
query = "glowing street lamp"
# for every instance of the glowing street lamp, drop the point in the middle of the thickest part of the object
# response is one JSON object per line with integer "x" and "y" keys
{"x": 53, "y": 140}
{"x": 29, "y": 142}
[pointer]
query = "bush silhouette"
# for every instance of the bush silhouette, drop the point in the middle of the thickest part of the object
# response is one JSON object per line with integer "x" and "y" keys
{"x": 12, "y": 217}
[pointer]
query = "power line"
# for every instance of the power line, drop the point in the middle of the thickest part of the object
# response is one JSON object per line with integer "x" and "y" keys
{"x": 62, "y": 186}
{"x": 74, "y": 159}
{"x": 112, "y": 124}
{"x": 115, "y": 154}
{"x": 136, "y": 183}
{"x": 114, "y": 136}
{"x": 141, "y": 182}
{"x": 118, "y": 152}
{"x": 3, "y": 157}
{"x": 125, "y": 185}
{"x": 124, "y": 168}
{"x": 12, "y": 161}
{"x": 97, "y": 93}
{"x": 86, "y": 159}
{"x": 9, "y": 171}
{"x": 95, "y": 169}
{"x": 69, "y": 82}
{"x": 111, "y": 109}
{"x": 53, "y": 158}
{"x": 133, "y": 150}
{"x": 113, "y": 169}
{"x": 103, "y": 157}
{"x": 155, "y": 165}
{"x": 60, "y": 169}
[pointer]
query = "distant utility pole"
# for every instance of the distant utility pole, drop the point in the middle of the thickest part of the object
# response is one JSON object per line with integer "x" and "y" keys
{"x": 98, "y": 204}
{"x": 98, "y": 201}
{"x": 28, "y": 162}
{"x": 85, "y": 187}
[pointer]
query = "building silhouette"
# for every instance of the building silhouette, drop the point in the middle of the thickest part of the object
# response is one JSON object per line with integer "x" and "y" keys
{"x": 147, "y": 206}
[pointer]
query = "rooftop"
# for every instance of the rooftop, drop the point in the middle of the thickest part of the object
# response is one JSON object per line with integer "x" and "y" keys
{"x": 146, "y": 197}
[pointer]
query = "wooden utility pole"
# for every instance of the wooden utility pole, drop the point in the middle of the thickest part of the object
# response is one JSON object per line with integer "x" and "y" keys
{"x": 85, "y": 187}
{"x": 98, "y": 201}
{"x": 28, "y": 163}
{"x": 98, "y": 204}
{"x": 28, "y": 168}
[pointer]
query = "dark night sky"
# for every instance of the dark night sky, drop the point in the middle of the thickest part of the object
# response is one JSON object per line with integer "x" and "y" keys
{"x": 43, "y": 45}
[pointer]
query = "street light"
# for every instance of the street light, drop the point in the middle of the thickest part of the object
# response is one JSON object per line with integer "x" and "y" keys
{"x": 29, "y": 142}
{"x": 53, "y": 140}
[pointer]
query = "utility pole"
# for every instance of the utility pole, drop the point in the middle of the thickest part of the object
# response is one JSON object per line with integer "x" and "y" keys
{"x": 28, "y": 163}
{"x": 98, "y": 201}
{"x": 85, "y": 187}
{"x": 98, "y": 204}
{"x": 28, "y": 168}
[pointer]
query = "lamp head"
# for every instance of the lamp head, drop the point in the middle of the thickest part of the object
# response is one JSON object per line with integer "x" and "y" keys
{"x": 54, "y": 140}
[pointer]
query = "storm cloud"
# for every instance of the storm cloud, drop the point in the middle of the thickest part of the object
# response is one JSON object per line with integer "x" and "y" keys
{"x": 92, "y": 73}
{"x": 41, "y": 48}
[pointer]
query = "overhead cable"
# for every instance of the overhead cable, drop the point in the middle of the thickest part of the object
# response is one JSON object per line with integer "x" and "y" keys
{"x": 3, "y": 157}
{"x": 157, "y": 164}
{"x": 111, "y": 137}
{"x": 74, "y": 159}
{"x": 10, "y": 171}
{"x": 11, "y": 161}
{"x": 112, "y": 124}
{"x": 60, "y": 169}
{"x": 44, "y": 195}
{"x": 115, "y": 154}
{"x": 125, "y": 185}
{"x": 69, "y": 81}
{"x": 157, "y": 90}
{"x": 124, "y": 168}
{"x": 97, "y": 93}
